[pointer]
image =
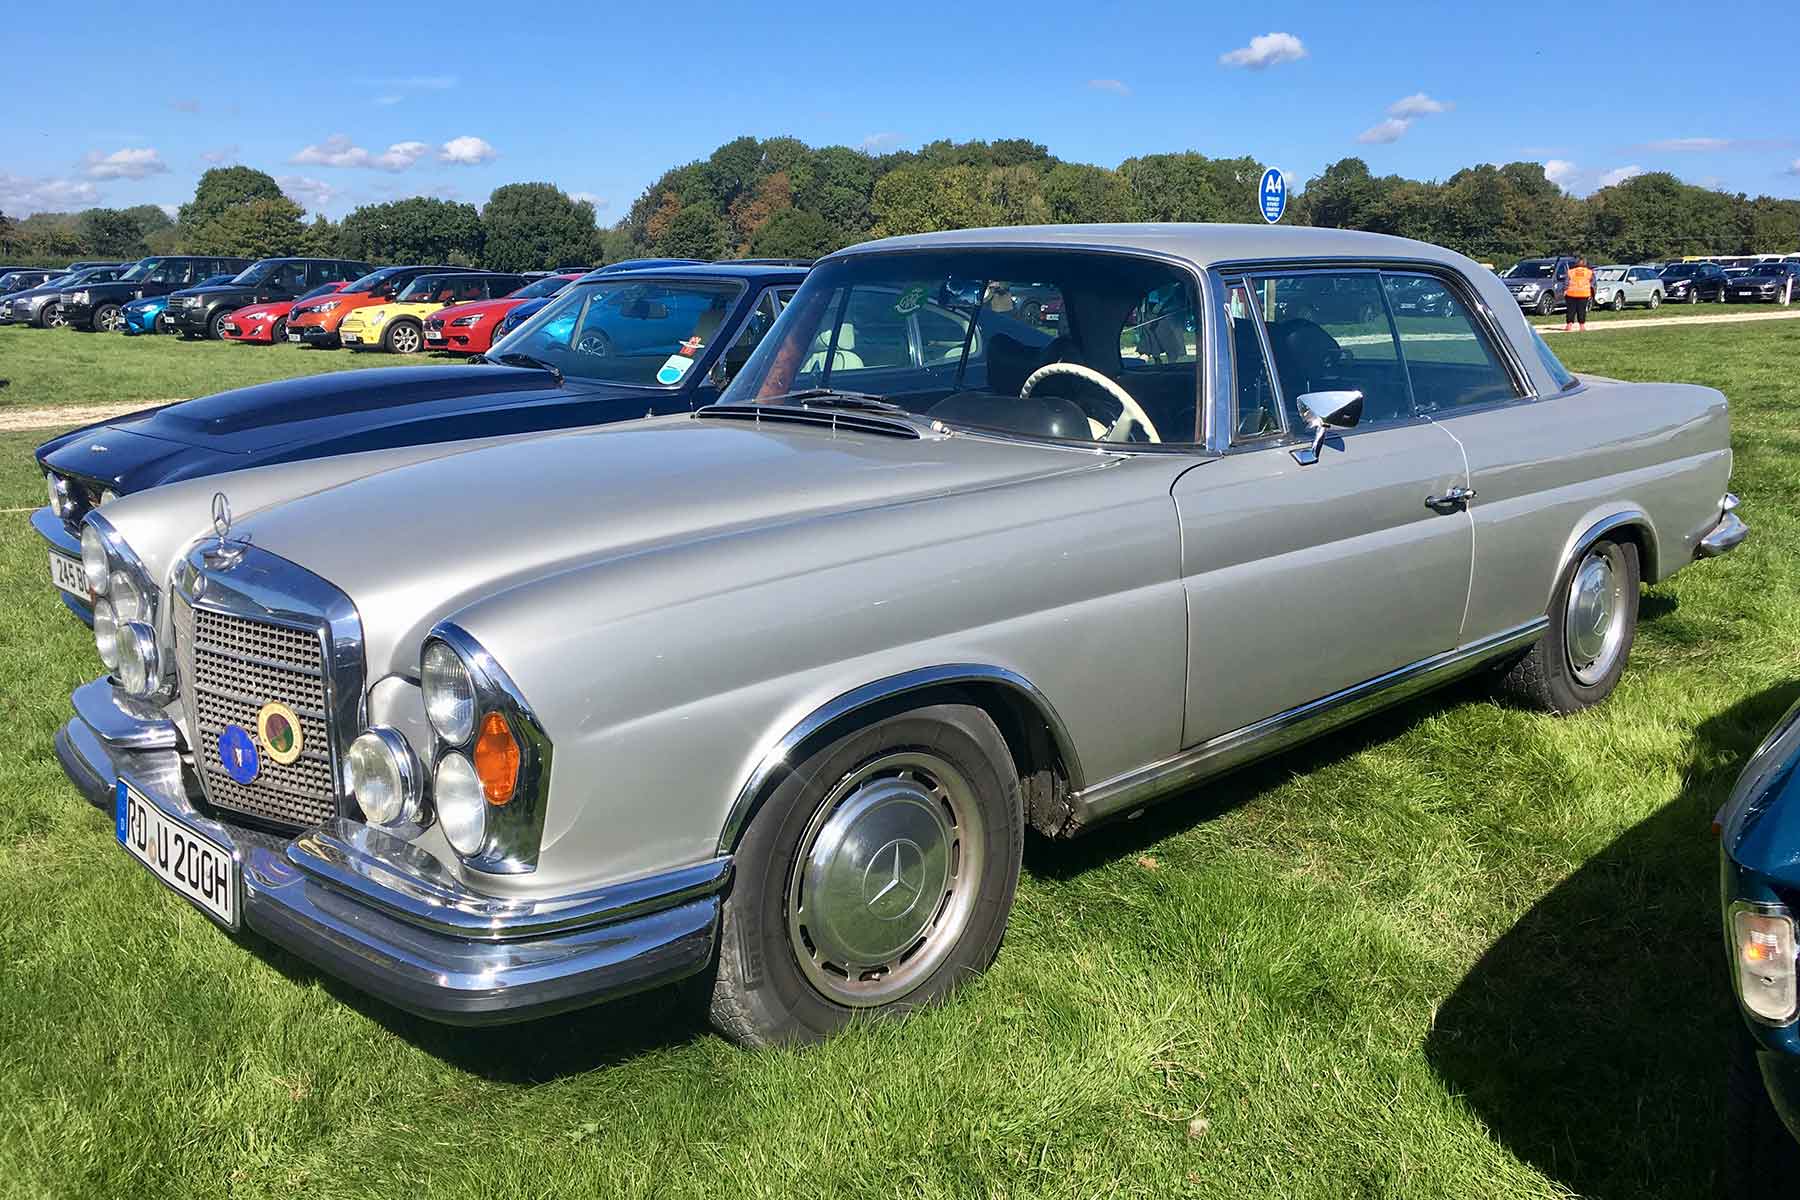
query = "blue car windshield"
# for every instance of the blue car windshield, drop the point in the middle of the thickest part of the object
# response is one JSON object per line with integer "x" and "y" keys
{"x": 640, "y": 333}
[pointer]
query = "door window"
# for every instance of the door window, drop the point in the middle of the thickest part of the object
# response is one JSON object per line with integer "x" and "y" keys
{"x": 290, "y": 277}
{"x": 1448, "y": 361}
{"x": 756, "y": 327}
{"x": 1329, "y": 331}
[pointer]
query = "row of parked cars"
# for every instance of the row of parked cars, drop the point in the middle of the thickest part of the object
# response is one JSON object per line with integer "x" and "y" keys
{"x": 738, "y": 619}
{"x": 1540, "y": 285}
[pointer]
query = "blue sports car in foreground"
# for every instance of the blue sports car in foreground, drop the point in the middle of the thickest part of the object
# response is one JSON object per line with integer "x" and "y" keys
{"x": 146, "y": 315}
{"x": 1759, "y": 831}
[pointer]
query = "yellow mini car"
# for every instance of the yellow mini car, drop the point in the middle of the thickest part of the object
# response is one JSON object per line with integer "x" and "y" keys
{"x": 398, "y": 326}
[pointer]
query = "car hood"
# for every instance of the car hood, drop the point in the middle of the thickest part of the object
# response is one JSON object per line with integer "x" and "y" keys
{"x": 490, "y": 308}
{"x": 36, "y": 293}
{"x": 419, "y": 541}
{"x": 271, "y": 415}
{"x": 1755, "y": 278}
{"x": 1759, "y": 825}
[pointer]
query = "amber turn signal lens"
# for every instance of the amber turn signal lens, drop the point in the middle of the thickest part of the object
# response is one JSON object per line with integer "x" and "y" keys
{"x": 497, "y": 759}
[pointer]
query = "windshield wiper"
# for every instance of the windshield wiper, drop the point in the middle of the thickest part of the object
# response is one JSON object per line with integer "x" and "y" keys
{"x": 513, "y": 358}
{"x": 838, "y": 399}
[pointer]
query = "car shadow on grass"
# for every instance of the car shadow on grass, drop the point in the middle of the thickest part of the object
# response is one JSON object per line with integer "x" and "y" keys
{"x": 1592, "y": 1038}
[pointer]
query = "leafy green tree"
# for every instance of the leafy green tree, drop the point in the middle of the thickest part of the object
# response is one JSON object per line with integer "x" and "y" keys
{"x": 838, "y": 185}
{"x": 1015, "y": 196}
{"x": 920, "y": 198}
{"x": 697, "y": 231}
{"x": 1077, "y": 192}
{"x": 532, "y": 226}
{"x": 110, "y": 233}
{"x": 262, "y": 228}
{"x": 421, "y": 229}
{"x": 222, "y": 188}
{"x": 1174, "y": 187}
{"x": 324, "y": 238}
{"x": 732, "y": 170}
{"x": 795, "y": 233}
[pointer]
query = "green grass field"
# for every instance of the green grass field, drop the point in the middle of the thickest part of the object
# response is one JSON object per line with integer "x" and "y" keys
{"x": 1460, "y": 950}
{"x": 1708, "y": 308}
{"x": 64, "y": 366}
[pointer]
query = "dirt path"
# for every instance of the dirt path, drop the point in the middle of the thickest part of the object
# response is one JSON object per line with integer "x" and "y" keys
{"x": 66, "y": 416}
{"x": 1645, "y": 322}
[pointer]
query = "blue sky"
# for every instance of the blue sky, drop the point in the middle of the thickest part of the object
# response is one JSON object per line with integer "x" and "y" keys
{"x": 369, "y": 103}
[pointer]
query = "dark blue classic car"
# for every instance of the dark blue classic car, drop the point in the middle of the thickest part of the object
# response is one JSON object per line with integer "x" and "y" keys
{"x": 1759, "y": 830}
{"x": 610, "y": 348}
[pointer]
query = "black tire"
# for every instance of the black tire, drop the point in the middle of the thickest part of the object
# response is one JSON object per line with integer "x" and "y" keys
{"x": 761, "y": 995}
{"x": 1618, "y": 300}
{"x": 107, "y": 318}
{"x": 278, "y": 334}
{"x": 1546, "y": 304}
{"x": 403, "y": 337}
{"x": 1724, "y": 297}
{"x": 49, "y": 316}
{"x": 215, "y": 326}
{"x": 1545, "y": 678}
{"x": 1656, "y": 298}
{"x": 1693, "y": 295}
{"x": 161, "y": 324}
{"x": 1762, "y": 1160}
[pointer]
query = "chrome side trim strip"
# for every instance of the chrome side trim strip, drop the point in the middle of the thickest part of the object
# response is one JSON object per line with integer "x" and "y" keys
{"x": 779, "y": 756}
{"x": 379, "y": 869}
{"x": 120, "y": 722}
{"x": 1271, "y": 734}
{"x": 1619, "y": 520}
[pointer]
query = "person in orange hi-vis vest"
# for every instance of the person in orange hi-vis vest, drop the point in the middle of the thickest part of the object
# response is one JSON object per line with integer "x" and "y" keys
{"x": 1578, "y": 296}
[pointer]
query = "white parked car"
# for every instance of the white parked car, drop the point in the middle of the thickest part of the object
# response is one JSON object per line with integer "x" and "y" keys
{"x": 1617, "y": 286}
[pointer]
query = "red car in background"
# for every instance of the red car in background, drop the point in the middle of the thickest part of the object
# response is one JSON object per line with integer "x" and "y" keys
{"x": 469, "y": 328}
{"x": 268, "y": 322}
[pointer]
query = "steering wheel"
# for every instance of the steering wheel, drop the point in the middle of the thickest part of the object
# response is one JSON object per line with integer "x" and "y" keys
{"x": 1120, "y": 430}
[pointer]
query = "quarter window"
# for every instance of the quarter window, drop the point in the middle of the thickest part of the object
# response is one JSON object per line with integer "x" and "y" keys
{"x": 1450, "y": 364}
{"x": 1330, "y": 332}
{"x": 1257, "y": 410}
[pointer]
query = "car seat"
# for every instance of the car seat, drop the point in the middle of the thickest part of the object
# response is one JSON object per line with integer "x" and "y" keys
{"x": 844, "y": 358}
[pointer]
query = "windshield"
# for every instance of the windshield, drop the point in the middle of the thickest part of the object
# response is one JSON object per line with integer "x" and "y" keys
{"x": 1062, "y": 344}
{"x": 540, "y": 289}
{"x": 141, "y": 268}
{"x": 641, "y": 333}
{"x": 430, "y": 289}
{"x": 1532, "y": 269}
{"x": 372, "y": 280}
{"x": 1681, "y": 271}
{"x": 257, "y": 272}
{"x": 1610, "y": 273}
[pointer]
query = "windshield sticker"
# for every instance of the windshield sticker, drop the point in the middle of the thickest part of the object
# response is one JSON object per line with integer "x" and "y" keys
{"x": 910, "y": 299}
{"x": 691, "y": 347}
{"x": 673, "y": 369}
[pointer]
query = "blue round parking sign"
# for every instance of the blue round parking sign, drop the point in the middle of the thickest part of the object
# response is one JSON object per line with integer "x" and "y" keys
{"x": 1272, "y": 196}
{"x": 237, "y": 754}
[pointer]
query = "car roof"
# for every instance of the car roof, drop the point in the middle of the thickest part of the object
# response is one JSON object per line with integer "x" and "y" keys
{"x": 1203, "y": 245}
{"x": 753, "y": 272}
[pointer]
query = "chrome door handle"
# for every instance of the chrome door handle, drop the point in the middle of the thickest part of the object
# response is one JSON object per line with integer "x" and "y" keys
{"x": 1450, "y": 501}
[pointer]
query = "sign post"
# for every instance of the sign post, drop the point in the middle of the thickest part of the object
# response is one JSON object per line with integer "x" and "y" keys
{"x": 1272, "y": 196}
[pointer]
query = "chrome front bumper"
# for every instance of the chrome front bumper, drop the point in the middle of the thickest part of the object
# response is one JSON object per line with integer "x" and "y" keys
{"x": 1727, "y": 535}
{"x": 389, "y": 919}
{"x": 50, "y": 527}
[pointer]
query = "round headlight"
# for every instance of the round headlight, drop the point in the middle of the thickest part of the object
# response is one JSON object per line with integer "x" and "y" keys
{"x": 139, "y": 669}
{"x": 106, "y": 634}
{"x": 93, "y": 560}
{"x": 384, "y": 777}
{"x": 461, "y": 804}
{"x": 449, "y": 693}
{"x": 127, "y": 598}
{"x": 62, "y": 502}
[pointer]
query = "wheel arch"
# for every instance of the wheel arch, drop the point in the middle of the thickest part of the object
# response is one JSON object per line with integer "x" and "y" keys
{"x": 1624, "y": 524}
{"x": 1042, "y": 750}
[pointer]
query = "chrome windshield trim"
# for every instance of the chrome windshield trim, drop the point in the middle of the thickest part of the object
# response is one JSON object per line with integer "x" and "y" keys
{"x": 398, "y": 877}
{"x": 1259, "y": 739}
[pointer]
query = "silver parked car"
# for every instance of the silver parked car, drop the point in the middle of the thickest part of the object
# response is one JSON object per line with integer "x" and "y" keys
{"x": 1617, "y": 286}
{"x": 773, "y": 690}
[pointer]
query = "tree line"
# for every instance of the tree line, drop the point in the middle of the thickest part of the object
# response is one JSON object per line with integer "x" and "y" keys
{"x": 779, "y": 197}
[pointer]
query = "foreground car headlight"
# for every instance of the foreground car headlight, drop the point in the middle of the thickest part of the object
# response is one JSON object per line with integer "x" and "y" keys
{"x": 461, "y": 807}
{"x": 127, "y": 598}
{"x": 449, "y": 694}
{"x": 140, "y": 667}
{"x": 1762, "y": 944}
{"x": 106, "y": 634}
{"x": 385, "y": 778}
{"x": 62, "y": 499}
{"x": 93, "y": 560}
{"x": 466, "y": 322}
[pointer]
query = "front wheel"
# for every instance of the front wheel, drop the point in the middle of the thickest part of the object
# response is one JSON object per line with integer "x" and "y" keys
{"x": 109, "y": 318}
{"x": 402, "y": 337}
{"x": 161, "y": 324}
{"x": 1546, "y": 304}
{"x": 51, "y": 316}
{"x": 1618, "y": 301}
{"x": 278, "y": 334}
{"x": 1593, "y": 621}
{"x": 215, "y": 327}
{"x": 1693, "y": 295}
{"x": 1655, "y": 300}
{"x": 877, "y": 877}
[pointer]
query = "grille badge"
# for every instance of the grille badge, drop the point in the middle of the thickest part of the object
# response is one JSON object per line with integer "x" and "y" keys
{"x": 279, "y": 726}
{"x": 238, "y": 754}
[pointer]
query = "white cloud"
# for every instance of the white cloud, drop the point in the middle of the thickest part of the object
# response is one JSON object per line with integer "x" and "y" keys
{"x": 1667, "y": 145}
{"x": 338, "y": 151}
{"x": 1265, "y": 50}
{"x": 1390, "y": 130}
{"x": 1418, "y": 105}
{"x": 1115, "y": 86}
{"x": 170, "y": 211}
{"x": 1561, "y": 172}
{"x": 21, "y": 195}
{"x": 124, "y": 164}
{"x": 221, "y": 154}
{"x": 1794, "y": 167}
{"x": 1619, "y": 175}
{"x": 879, "y": 141}
{"x": 389, "y": 99}
{"x": 466, "y": 151}
{"x": 599, "y": 202}
{"x": 307, "y": 192}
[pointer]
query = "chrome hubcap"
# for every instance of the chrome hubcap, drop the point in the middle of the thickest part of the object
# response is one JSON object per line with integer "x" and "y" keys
{"x": 405, "y": 340}
{"x": 1594, "y": 625}
{"x": 886, "y": 879}
{"x": 53, "y": 316}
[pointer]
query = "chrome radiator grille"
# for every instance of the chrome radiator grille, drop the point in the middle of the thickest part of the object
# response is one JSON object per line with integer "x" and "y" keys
{"x": 232, "y": 666}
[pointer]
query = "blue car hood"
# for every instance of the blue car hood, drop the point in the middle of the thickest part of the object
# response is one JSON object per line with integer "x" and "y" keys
{"x": 1760, "y": 824}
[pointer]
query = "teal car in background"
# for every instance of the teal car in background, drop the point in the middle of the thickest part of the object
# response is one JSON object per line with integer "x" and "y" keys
{"x": 146, "y": 315}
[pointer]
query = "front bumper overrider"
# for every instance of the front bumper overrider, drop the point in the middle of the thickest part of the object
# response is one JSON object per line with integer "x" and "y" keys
{"x": 391, "y": 920}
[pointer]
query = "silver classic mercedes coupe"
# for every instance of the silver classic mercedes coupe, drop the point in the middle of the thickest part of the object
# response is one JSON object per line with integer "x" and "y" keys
{"x": 997, "y": 528}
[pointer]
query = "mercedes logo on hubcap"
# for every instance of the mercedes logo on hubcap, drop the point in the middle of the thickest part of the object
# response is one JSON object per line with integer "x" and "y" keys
{"x": 894, "y": 879}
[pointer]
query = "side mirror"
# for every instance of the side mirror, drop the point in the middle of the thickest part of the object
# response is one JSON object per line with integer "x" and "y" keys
{"x": 1323, "y": 412}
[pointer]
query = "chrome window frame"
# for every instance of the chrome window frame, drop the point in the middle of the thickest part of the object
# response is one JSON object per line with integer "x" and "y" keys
{"x": 1262, "y": 440}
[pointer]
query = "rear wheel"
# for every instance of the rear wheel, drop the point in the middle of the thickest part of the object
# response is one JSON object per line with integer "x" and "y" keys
{"x": 1593, "y": 621}
{"x": 877, "y": 877}
{"x": 109, "y": 318}
{"x": 402, "y": 337}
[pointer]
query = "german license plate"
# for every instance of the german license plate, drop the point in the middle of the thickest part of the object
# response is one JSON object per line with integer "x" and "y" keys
{"x": 349, "y": 337}
{"x": 231, "y": 329}
{"x": 294, "y": 337}
{"x": 66, "y": 573}
{"x": 193, "y": 865}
